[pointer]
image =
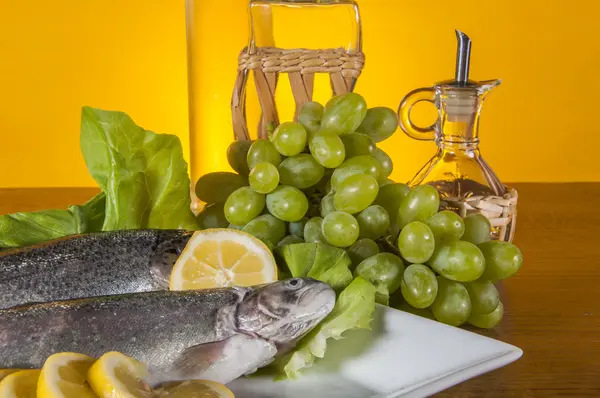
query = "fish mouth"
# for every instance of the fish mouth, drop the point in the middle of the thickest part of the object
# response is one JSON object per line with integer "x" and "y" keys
{"x": 316, "y": 303}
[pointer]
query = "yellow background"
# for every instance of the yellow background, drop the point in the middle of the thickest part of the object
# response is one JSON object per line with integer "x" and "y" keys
{"x": 539, "y": 125}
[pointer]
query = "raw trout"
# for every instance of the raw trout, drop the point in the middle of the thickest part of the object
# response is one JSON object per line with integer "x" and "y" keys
{"x": 95, "y": 264}
{"x": 215, "y": 334}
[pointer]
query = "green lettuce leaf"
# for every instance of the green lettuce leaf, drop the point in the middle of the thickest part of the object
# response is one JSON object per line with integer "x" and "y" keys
{"x": 382, "y": 296}
{"x": 142, "y": 173}
{"x": 28, "y": 228}
{"x": 319, "y": 261}
{"x": 353, "y": 310}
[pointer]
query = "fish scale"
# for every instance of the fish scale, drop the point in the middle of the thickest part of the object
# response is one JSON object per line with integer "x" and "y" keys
{"x": 147, "y": 326}
{"x": 95, "y": 264}
{"x": 216, "y": 334}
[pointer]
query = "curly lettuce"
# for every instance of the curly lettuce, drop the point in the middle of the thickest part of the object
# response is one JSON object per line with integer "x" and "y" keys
{"x": 353, "y": 309}
{"x": 318, "y": 261}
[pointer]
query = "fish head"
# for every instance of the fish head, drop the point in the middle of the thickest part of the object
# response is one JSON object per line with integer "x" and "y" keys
{"x": 284, "y": 311}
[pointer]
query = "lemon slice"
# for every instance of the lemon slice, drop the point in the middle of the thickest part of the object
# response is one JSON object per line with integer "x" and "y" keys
{"x": 116, "y": 375}
{"x": 223, "y": 257}
{"x": 194, "y": 389}
{"x": 64, "y": 376}
{"x": 20, "y": 384}
{"x": 6, "y": 372}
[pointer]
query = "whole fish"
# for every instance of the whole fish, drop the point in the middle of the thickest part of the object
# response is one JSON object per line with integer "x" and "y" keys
{"x": 95, "y": 264}
{"x": 216, "y": 334}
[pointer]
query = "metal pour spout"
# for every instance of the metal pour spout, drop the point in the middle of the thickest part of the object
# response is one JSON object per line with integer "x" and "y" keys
{"x": 463, "y": 57}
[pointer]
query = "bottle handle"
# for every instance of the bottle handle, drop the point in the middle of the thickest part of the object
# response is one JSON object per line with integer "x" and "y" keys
{"x": 411, "y": 99}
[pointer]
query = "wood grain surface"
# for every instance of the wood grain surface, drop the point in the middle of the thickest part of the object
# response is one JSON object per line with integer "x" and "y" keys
{"x": 552, "y": 306}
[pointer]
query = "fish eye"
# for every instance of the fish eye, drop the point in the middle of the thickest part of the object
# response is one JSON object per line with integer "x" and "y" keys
{"x": 294, "y": 283}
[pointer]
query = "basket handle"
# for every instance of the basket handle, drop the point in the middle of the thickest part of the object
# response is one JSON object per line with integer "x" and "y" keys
{"x": 300, "y": 65}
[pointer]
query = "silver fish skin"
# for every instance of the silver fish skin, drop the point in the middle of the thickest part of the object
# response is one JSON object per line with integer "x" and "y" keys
{"x": 219, "y": 334}
{"x": 95, "y": 264}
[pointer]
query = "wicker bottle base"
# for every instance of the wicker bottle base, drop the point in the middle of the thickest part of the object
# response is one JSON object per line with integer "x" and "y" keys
{"x": 500, "y": 210}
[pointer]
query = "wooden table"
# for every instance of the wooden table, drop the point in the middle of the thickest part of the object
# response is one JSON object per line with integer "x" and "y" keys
{"x": 552, "y": 306}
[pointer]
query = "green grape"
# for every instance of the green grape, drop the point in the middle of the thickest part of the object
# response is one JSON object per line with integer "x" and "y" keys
{"x": 357, "y": 144}
{"x": 356, "y": 193}
{"x": 290, "y": 240}
{"x": 446, "y": 226}
{"x": 421, "y": 203}
{"x": 323, "y": 187}
{"x": 263, "y": 151}
{"x": 289, "y": 138}
{"x": 361, "y": 250}
{"x": 385, "y": 163}
{"x": 313, "y": 231}
{"x": 419, "y": 286}
{"x": 484, "y": 297}
{"x": 343, "y": 114}
{"x": 243, "y": 205}
{"x": 477, "y": 229}
{"x": 416, "y": 242}
{"x": 327, "y": 206}
{"x": 390, "y": 196}
{"x": 488, "y": 321}
{"x": 297, "y": 227}
{"x": 391, "y": 238}
{"x": 287, "y": 203}
{"x": 264, "y": 177}
{"x": 212, "y": 216}
{"x": 373, "y": 222}
{"x": 384, "y": 270}
{"x": 328, "y": 149}
{"x": 458, "y": 260}
{"x": 502, "y": 259}
{"x": 266, "y": 228}
{"x": 301, "y": 171}
{"x": 238, "y": 227}
{"x": 385, "y": 182}
{"x": 380, "y": 123}
{"x": 340, "y": 229}
{"x": 310, "y": 117}
{"x": 363, "y": 164}
{"x": 216, "y": 187}
{"x": 236, "y": 156}
{"x": 452, "y": 304}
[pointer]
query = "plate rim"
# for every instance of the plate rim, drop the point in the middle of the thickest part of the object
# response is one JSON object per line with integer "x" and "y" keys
{"x": 445, "y": 381}
{"x": 504, "y": 355}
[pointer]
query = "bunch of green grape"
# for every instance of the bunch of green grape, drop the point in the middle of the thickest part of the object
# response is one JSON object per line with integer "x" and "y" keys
{"x": 325, "y": 180}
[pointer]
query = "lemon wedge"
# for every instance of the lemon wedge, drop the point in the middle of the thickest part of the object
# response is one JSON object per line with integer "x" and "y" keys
{"x": 194, "y": 389}
{"x": 6, "y": 372}
{"x": 222, "y": 257}
{"x": 20, "y": 384}
{"x": 64, "y": 376}
{"x": 116, "y": 375}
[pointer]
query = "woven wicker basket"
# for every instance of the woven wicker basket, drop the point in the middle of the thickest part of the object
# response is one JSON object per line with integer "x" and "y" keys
{"x": 300, "y": 65}
{"x": 500, "y": 210}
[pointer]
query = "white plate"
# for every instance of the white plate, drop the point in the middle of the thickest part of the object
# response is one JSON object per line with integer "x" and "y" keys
{"x": 403, "y": 356}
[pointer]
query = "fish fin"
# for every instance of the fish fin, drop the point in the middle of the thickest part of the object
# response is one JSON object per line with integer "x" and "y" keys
{"x": 198, "y": 358}
{"x": 192, "y": 361}
{"x": 224, "y": 361}
{"x": 164, "y": 258}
